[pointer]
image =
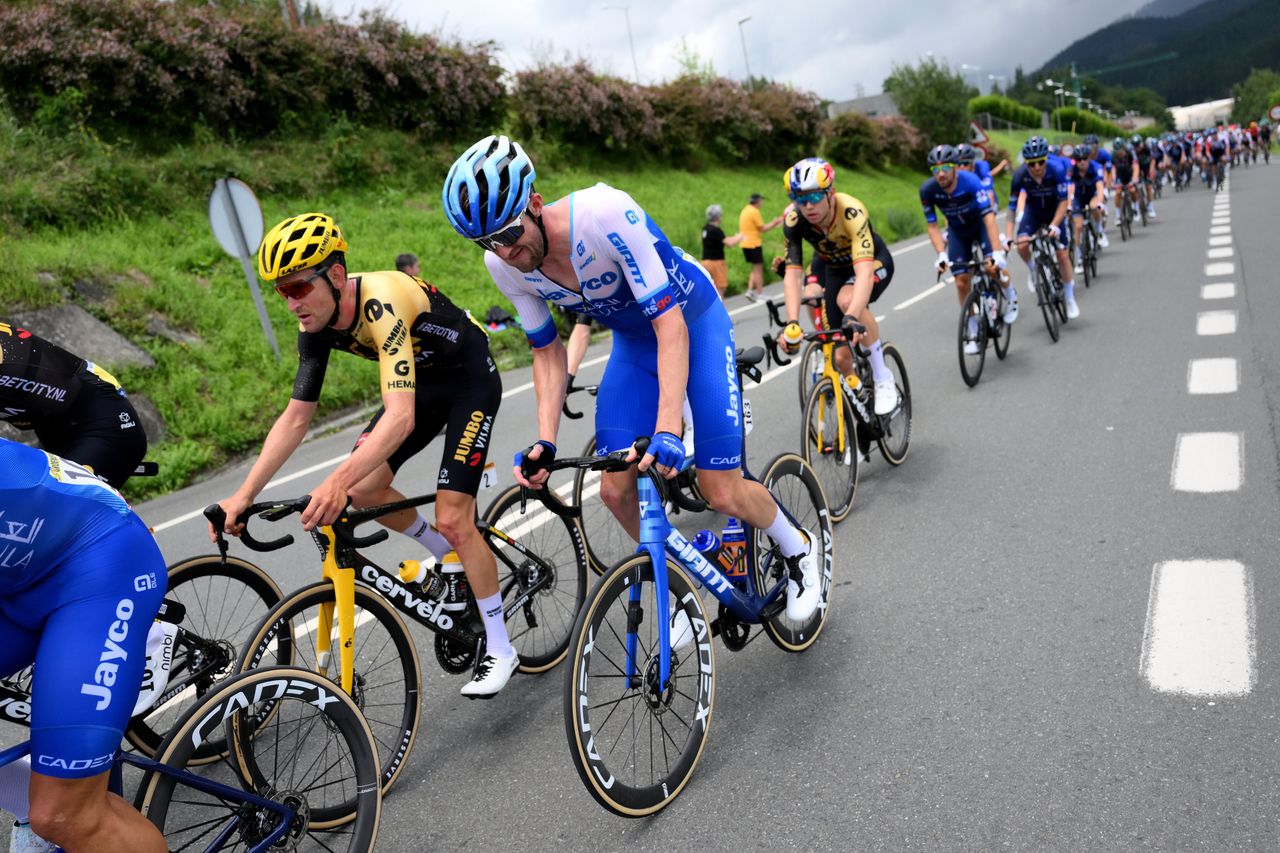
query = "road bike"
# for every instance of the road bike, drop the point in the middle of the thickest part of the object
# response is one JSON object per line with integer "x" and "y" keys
{"x": 541, "y": 574}
{"x": 1126, "y": 214}
{"x": 839, "y": 421}
{"x": 1088, "y": 248}
{"x": 640, "y": 693}
{"x": 982, "y": 321}
{"x": 1048, "y": 281}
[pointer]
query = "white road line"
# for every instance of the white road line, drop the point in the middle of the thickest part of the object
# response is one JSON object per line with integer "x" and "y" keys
{"x": 1213, "y": 376}
{"x": 1220, "y": 240}
{"x": 1219, "y": 290}
{"x": 1224, "y": 252}
{"x": 1220, "y": 220}
{"x": 1208, "y": 462}
{"x": 1216, "y": 323}
{"x": 1220, "y": 268}
{"x": 913, "y": 300}
{"x": 1220, "y": 229}
{"x": 1199, "y": 635}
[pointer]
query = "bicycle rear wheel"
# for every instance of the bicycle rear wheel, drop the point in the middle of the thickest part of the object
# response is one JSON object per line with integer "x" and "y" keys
{"x": 831, "y": 446}
{"x": 1044, "y": 293}
{"x": 973, "y": 336}
{"x": 1001, "y": 332}
{"x": 544, "y": 547}
{"x": 811, "y": 365}
{"x": 224, "y": 603}
{"x": 606, "y": 540}
{"x": 635, "y": 742}
{"x": 895, "y": 428}
{"x": 792, "y": 482}
{"x": 314, "y": 752}
{"x": 387, "y": 684}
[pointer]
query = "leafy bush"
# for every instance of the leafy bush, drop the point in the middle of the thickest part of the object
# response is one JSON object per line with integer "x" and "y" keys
{"x": 577, "y": 107}
{"x": 155, "y": 71}
{"x": 851, "y": 138}
{"x": 933, "y": 98}
{"x": 900, "y": 143}
{"x": 1005, "y": 108}
{"x": 794, "y": 123}
{"x": 712, "y": 115}
{"x": 1081, "y": 121}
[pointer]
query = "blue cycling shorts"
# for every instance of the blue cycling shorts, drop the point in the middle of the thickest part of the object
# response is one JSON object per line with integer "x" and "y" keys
{"x": 627, "y": 403}
{"x": 960, "y": 246}
{"x": 1031, "y": 222}
{"x": 85, "y": 627}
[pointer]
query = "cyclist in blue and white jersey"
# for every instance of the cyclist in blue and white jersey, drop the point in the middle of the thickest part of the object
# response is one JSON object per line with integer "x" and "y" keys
{"x": 81, "y": 581}
{"x": 1045, "y": 186}
{"x": 969, "y": 161}
{"x": 597, "y": 252}
{"x": 1089, "y": 195}
{"x": 1102, "y": 157}
{"x": 966, "y": 207}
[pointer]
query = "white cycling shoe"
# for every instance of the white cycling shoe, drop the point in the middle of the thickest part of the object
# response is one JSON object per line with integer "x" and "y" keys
{"x": 801, "y": 604}
{"x": 971, "y": 347}
{"x": 1010, "y": 312}
{"x": 492, "y": 675}
{"x": 1073, "y": 310}
{"x": 886, "y": 397}
{"x": 1103, "y": 241}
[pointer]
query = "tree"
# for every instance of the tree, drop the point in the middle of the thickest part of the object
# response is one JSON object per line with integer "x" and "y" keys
{"x": 1253, "y": 96}
{"x": 933, "y": 98}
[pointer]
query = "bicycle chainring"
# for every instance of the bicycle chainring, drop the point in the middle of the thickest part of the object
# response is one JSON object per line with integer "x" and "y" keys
{"x": 453, "y": 657}
{"x": 733, "y": 632}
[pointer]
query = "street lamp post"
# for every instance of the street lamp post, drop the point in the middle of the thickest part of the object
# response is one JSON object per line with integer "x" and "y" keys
{"x": 745, "y": 60}
{"x": 626, "y": 11}
{"x": 964, "y": 66}
{"x": 998, "y": 78}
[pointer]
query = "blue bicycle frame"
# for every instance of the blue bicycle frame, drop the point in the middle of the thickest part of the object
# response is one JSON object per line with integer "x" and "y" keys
{"x": 208, "y": 786}
{"x": 659, "y": 540}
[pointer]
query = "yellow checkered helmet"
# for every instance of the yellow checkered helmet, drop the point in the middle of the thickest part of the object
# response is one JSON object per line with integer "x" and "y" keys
{"x": 297, "y": 243}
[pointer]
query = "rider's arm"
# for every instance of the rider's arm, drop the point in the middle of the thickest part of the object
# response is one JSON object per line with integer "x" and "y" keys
{"x": 853, "y": 300}
{"x": 673, "y": 369}
{"x": 935, "y": 237}
{"x": 793, "y": 276}
{"x": 392, "y": 428}
{"x": 285, "y": 436}
{"x": 579, "y": 339}
{"x": 550, "y": 378}
{"x": 989, "y": 220}
{"x": 1061, "y": 213}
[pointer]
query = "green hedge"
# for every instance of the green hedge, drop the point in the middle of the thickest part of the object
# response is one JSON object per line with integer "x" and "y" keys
{"x": 1005, "y": 108}
{"x": 1083, "y": 122}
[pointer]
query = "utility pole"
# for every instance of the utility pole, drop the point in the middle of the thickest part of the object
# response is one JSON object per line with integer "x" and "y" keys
{"x": 745, "y": 60}
{"x": 626, "y": 11}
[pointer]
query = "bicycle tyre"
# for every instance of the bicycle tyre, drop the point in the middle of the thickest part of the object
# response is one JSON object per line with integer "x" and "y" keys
{"x": 540, "y": 630}
{"x": 837, "y": 468}
{"x": 1003, "y": 331}
{"x": 973, "y": 329}
{"x": 351, "y": 824}
{"x": 895, "y": 429}
{"x": 597, "y": 653}
{"x": 224, "y": 603}
{"x": 1044, "y": 292}
{"x": 1086, "y": 248}
{"x": 795, "y": 486}
{"x": 605, "y": 539}
{"x": 811, "y": 369}
{"x": 396, "y": 728}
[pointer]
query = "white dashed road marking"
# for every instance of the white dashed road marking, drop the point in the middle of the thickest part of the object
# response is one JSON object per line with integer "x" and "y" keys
{"x": 1216, "y": 323}
{"x": 1220, "y": 240}
{"x": 1208, "y": 462}
{"x": 1213, "y": 376}
{"x": 1220, "y": 268}
{"x": 1223, "y": 252}
{"x": 1218, "y": 290}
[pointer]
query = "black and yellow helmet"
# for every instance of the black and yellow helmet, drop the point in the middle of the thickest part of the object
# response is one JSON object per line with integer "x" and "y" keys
{"x": 297, "y": 243}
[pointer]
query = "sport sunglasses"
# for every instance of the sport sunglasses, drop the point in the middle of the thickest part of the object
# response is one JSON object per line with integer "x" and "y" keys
{"x": 1038, "y": 161}
{"x": 507, "y": 235}
{"x": 942, "y": 167}
{"x": 807, "y": 199}
{"x": 300, "y": 288}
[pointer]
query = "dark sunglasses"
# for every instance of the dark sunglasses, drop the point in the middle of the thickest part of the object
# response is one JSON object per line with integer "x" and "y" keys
{"x": 1039, "y": 161}
{"x": 504, "y": 236}
{"x": 806, "y": 199}
{"x": 300, "y": 288}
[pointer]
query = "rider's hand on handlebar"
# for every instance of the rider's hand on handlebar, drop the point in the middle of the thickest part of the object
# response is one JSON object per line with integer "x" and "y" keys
{"x": 530, "y": 464}
{"x": 1054, "y": 232}
{"x": 233, "y": 507}
{"x": 942, "y": 262}
{"x": 999, "y": 258}
{"x": 328, "y": 500}
{"x": 791, "y": 337}
{"x": 666, "y": 451}
{"x": 852, "y": 329}
{"x": 1005, "y": 243}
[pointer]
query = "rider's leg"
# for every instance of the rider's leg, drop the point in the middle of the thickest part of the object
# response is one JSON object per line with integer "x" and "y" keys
{"x": 80, "y": 814}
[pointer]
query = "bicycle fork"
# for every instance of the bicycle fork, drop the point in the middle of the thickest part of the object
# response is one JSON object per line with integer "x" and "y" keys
{"x": 344, "y": 593}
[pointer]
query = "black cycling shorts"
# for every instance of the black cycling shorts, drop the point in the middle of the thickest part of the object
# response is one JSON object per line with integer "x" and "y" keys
{"x": 754, "y": 256}
{"x": 835, "y": 278}
{"x": 461, "y": 400}
{"x": 101, "y": 431}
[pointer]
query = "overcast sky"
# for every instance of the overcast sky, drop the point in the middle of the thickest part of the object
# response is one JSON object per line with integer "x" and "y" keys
{"x": 836, "y": 48}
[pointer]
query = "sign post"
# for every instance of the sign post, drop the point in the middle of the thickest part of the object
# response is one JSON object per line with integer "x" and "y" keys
{"x": 1274, "y": 113}
{"x": 236, "y": 219}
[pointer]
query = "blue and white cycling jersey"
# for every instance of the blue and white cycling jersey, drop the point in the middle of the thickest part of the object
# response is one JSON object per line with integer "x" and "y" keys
{"x": 1103, "y": 158}
{"x": 982, "y": 169}
{"x": 627, "y": 269}
{"x": 1086, "y": 183}
{"x": 1043, "y": 196}
{"x": 630, "y": 274}
{"x": 963, "y": 207}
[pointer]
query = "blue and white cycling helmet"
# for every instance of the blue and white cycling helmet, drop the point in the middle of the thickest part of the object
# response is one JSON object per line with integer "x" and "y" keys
{"x": 1035, "y": 148}
{"x": 487, "y": 187}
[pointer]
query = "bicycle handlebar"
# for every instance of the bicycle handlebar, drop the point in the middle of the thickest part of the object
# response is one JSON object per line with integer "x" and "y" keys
{"x": 593, "y": 390}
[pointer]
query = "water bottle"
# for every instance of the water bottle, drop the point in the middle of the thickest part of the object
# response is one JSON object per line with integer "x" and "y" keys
{"x": 413, "y": 573}
{"x": 853, "y": 382}
{"x": 793, "y": 334}
{"x": 991, "y": 309}
{"x": 707, "y": 544}
{"x": 455, "y": 582}
{"x": 734, "y": 547}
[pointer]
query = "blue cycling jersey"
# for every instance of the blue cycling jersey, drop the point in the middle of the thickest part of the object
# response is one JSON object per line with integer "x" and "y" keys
{"x": 963, "y": 207}
{"x": 1043, "y": 196}
{"x": 628, "y": 271}
{"x": 1103, "y": 158}
{"x": 982, "y": 169}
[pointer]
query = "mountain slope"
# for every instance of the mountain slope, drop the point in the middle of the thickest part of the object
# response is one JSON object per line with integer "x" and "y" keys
{"x": 1216, "y": 43}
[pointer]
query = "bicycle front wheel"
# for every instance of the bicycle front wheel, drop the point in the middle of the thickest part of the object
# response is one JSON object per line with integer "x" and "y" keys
{"x": 811, "y": 367}
{"x": 224, "y": 603}
{"x": 972, "y": 338}
{"x": 606, "y": 540}
{"x": 831, "y": 447}
{"x": 634, "y": 741}
{"x": 1001, "y": 332}
{"x": 792, "y": 482}
{"x": 895, "y": 428}
{"x": 1044, "y": 293}
{"x": 387, "y": 681}
{"x": 314, "y": 753}
{"x": 537, "y": 549}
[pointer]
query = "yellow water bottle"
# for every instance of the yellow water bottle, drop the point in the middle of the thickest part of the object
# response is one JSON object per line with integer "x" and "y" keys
{"x": 853, "y": 382}
{"x": 793, "y": 335}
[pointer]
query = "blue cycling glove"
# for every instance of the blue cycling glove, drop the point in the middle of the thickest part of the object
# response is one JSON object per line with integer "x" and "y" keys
{"x": 529, "y": 467}
{"x": 667, "y": 449}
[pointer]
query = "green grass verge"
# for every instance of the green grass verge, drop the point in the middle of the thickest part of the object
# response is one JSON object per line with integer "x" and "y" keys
{"x": 220, "y": 395}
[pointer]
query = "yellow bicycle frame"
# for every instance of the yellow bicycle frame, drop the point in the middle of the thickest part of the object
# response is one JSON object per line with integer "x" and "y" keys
{"x": 343, "y": 579}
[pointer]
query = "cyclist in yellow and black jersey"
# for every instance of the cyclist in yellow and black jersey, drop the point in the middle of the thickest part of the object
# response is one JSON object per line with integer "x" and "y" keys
{"x": 856, "y": 265}
{"x": 77, "y": 409}
{"x": 436, "y": 375}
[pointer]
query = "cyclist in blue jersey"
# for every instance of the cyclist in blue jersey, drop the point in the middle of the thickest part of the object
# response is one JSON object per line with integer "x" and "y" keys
{"x": 596, "y": 251}
{"x": 967, "y": 208}
{"x": 1045, "y": 186}
{"x": 81, "y": 581}
{"x": 971, "y": 162}
{"x": 1089, "y": 194}
{"x": 1102, "y": 157}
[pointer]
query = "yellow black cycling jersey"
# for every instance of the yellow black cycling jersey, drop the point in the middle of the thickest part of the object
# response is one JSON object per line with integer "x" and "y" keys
{"x": 401, "y": 322}
{"x": 849, "y": 239}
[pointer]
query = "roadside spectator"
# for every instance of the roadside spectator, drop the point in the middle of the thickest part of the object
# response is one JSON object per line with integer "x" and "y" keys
{"x": 713, "y": 243}
{"x": 752, "y": 225}
{"x": 408, "y": 263}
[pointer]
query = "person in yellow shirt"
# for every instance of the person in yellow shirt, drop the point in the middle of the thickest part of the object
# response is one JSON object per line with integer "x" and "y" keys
{"x": 752, "y": 225}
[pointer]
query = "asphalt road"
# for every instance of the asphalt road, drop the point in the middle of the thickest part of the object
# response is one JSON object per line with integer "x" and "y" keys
{"x": 1042, "y": 636}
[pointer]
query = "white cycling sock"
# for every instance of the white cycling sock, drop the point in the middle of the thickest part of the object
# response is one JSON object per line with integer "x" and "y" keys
{"x": 15, "y": 782}
{"x": 1011, "y": 293}
{"x": 495, "y": 629}
{"x": 1069, "y": 290}
{"x": 875, "y": 354}
{"x": 428, "y": 537}
{"x": 790, "y": 540}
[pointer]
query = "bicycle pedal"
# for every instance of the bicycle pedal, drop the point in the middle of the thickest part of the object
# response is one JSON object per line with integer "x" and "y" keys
{"x": 771, "y": 610}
